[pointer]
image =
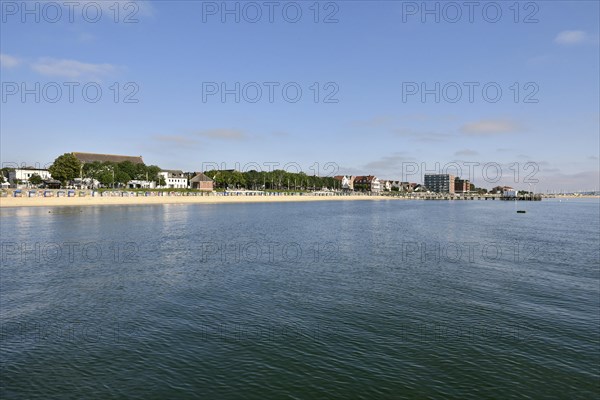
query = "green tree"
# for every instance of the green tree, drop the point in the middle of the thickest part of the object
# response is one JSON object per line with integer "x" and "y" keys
{"x": 224, "y": 178}
{"x": 253, "y": 179}
{"x": 5, "y": 173}
{"x": 121, "y": 177}
{"x": 128, "y": 168}
{"x": 99, "y": 171}
{"x": 279, "y": 178}
{"x": 219, "y": 177}
{"x": 302, "y": 180}
{"x": 93, "y": 170}
{"x": 35, "y": 179}
{"x": 237, "y": 179}
{"x": 105, "y": 178}
{"x": 152, "y": 172}
{"x": 65, "y": 168}
{"x": 139, "y": 172}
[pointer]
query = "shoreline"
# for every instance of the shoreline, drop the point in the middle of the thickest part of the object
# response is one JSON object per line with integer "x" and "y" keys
{"x": 11, "y": 202}
{"x": 7, "y": 202}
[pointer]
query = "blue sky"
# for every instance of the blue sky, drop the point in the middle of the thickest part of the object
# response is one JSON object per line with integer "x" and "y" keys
{"x": 367, "y": 61}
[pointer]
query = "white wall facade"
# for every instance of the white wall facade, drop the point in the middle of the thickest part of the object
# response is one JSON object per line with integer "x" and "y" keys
{"x": 174, "y": 180}
{"x": 23, "y": 174}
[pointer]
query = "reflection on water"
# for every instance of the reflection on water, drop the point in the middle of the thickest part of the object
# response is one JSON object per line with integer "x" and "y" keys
{"x": 355, "y": 299}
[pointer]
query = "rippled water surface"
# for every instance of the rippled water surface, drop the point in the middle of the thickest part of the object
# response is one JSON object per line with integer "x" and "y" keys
{"x": 390, "y": 299}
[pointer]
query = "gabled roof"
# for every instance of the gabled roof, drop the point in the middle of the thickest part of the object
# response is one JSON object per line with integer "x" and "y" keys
{"x": 93, "y": 157}
{"x": 200, "y": 177}
{"x": 368, "y": 178}
{"x": 173, "y": 172}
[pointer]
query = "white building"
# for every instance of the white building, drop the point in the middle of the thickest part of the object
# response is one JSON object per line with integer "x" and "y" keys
{"x": 376, "y": 185}
{"x": 86, "y": 183}
{"x": 139, "y": 184}
{"x": 23, "y": 174}
{"x": 174, "y": 179}
{"x": 367, "y": 183}
{"x": 400, "y": 186}
{"x": 346, "y": 182}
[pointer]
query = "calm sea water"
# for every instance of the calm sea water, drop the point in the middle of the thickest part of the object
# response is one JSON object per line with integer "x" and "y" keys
{"x": 390, "y": 299}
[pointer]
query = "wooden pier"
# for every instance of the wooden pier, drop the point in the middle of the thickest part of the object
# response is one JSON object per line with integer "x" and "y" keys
{"x": 461, "y": 197}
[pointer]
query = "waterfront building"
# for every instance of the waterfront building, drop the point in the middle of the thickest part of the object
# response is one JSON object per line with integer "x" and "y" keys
{"x": 402, "y": 186}
{"x": 368, "y": 183}
{"x": 141, "y": 184}
{"x": 346, "y": 182}
{"x": 439, "y": 183}
{"x": 462, "y": 185}
{"x": 174, "y": 179}
{"x": 500, "y": 189}
{"x": 20, "y": 176}
{"x": 201, "y": 182}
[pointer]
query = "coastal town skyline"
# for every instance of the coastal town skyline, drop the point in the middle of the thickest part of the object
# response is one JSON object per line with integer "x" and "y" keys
{"x": 463, "y": 175}
{"x": 423, "y": 107}
{"x": 483, "y": 175}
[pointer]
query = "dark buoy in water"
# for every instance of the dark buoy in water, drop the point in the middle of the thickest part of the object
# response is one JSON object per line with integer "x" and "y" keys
{"x": 521, "y": 211}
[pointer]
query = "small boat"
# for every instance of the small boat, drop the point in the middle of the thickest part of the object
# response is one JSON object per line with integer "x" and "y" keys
{"x": 521, "y": 211}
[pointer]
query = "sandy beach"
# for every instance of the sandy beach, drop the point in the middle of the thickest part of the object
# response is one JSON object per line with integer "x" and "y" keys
{"x": 138, "y": 200}
{"x": 100, "y": 201}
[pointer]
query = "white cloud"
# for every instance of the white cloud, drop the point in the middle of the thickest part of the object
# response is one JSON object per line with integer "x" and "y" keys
{"x": 422, "y": 136}
{"x": 71, "y": 68}
{"x": 7, "y": 61}
{"x": 421, "y": 117}
{"x": 226, "y": 134}
{"x": 466, "y": 152}
{"x": 570, "y": 37}
{"x": 175, "y": 139}
{"x": 489, "y": 127}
